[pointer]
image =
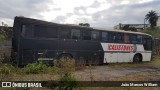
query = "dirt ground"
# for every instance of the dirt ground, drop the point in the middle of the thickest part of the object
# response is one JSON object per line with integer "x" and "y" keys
{"x": 111, "y": 72}
{"x": 132, "y": 72}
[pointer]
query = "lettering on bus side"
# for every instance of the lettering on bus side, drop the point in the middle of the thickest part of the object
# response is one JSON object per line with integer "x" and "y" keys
{"x": 118, "y": 47}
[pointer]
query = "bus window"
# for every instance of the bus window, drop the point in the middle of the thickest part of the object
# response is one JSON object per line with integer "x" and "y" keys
{"x": 65, "y": 34}
{"x": 23, "y": 30}
{"x": 120, "y": 38}
{"x": 147, "y": 43}
{"x": 26, "y": 31}
{"x": 75, "y": 34}
{"x": 45, "y": 32}
{"x": 133, "y": 39}
{"x": 86, "y": 35}
{"x": 104, "y": 36}
{"x": 112, "y": 37}
{"x": 126, "y": 38}
{"x": 139, "y": 39}
{"x": 95, "y": 35}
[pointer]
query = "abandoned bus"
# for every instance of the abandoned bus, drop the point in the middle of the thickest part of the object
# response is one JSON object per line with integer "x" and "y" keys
{"x": 35, "y": 40}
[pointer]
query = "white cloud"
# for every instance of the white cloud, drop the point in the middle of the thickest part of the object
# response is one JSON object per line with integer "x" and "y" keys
{"x": 99, "y": 13}
{"x": 125, "y": 2}
{"x": 103, "y": 6}
{"x": 144, "y": 1}
{"x": 7, "y": 21}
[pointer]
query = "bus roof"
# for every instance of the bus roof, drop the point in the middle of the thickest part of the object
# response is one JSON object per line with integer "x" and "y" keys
{"x": 123, "y": 31}
{"x": 25, "y": 19}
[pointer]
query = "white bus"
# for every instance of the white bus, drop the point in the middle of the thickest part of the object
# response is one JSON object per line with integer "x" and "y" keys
{"x": 127, "y": 47}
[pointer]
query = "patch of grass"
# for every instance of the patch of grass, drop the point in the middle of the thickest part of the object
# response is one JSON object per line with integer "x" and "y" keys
{"x": 155, "y": 60}
{"x": 66, "y": 67}
{"x": 35, "y": 68}
{"x": 6, "y": 69}
{"x": 2, "y": 37}
{"x": 91, "y": 76}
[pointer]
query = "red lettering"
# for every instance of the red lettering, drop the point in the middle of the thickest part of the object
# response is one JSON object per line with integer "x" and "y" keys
{"x": 132, "y": 48}
{"x": 121, "y": 47}
{"x": 127, "y": 48}
{"x": 109, "y": 47}
{"x": 113, "y": 48}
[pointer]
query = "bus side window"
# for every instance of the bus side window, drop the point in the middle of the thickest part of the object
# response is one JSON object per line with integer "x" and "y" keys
{"x": 65, "y": 34}
{"x": 120, "y": 38}
{"x": 133, "y": 38}
{"x": 45, "y": 32}
{"x": 139, "y": 39}
{"x": 126, "y": 38}
{"x": 75, "y": 34}
{"x": 95, "y": 35}
{"x": 86, "y": 35}
{"x": 104, "y": 36}
{"x": 147, "y": 43}
{"x": 112, "y": 37}
{"x": 23, "y": 30}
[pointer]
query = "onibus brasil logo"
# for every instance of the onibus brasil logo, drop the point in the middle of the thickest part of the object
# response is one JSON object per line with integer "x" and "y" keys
{"x": 21, "y": 84}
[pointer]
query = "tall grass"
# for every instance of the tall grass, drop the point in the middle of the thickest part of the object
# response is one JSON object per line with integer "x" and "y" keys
{"x": 35, "y": 68}
{"x": 66, "y": 68}
{"x": 6, "y": 70}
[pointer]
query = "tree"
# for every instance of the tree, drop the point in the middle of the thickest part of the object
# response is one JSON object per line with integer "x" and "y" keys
{"x": 126, "y": 27}
{"x": 5, "y": 32}
{"x": 133, "y": 29}
{"x": 84, "y": 24}
{"x": 80, "y": 24}
{"x": 152, "y": 18}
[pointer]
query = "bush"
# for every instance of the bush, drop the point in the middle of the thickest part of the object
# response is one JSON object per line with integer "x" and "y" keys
{"x": 66, "y": 67}
{"x": 154, "y": 32}
{"x": 35, "y": 68}
{"x": 6, "y": 69}
{"x": 2, "y": 37}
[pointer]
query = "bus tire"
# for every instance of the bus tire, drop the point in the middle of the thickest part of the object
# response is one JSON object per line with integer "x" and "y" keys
{"x": 137, "y": 58}
{"x": 65, "y": 55}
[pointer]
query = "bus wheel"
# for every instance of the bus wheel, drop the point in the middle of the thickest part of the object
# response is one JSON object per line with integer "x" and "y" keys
{"x": 137, "y": 58}
{"x": 63, "y": 59}
{"x": 65, "y": 56}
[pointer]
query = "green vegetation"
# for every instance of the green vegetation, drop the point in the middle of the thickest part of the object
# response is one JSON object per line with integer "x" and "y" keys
{"x": 64, "y": 69}
{"x": 128, "y": 28}
{"x": 35, "y": 68}
{"x": 6, "y": 69}
{"x": 155, "y": 32}
{"x": 2, "y": 37}
{"x": 155, "y": 60}
{"x": 66, "y": 72}
{"x": 5, "y": 32}
{"x": 91, "y": 76}
{"x": 152, "y": 18}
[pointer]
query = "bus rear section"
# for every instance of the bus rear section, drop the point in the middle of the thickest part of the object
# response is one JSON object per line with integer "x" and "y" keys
{"x": 34, "y": 40}
{"x": 156, "y": 46}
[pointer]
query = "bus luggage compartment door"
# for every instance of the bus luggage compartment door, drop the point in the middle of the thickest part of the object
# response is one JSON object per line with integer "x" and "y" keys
{"x": 110, "y": 57}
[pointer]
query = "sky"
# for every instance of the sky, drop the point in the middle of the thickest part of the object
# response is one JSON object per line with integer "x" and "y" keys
{"x": 98, "y": 13}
